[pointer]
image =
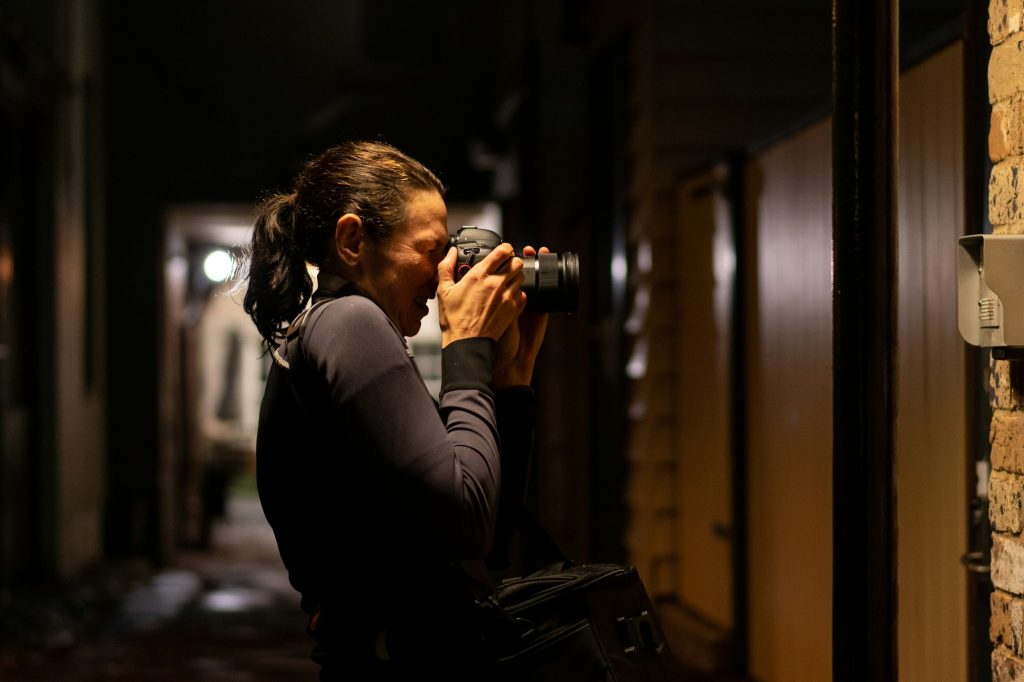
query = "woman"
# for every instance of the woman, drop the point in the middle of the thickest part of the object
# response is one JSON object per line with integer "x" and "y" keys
{"x": 374, "y": 491}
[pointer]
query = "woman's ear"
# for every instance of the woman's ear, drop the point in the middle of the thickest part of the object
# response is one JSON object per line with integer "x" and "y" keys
{"x": 348, "y": 239}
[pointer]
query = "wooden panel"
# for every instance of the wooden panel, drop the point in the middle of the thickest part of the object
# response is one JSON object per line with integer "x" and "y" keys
{"x": 790, "y": 396}
{"x": 931, "y": 430}
{"x": 790, "y": 410}
{"x": 706, "y": 265}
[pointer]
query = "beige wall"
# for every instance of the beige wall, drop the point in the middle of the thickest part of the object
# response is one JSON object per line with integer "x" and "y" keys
{"x": 790, "y": 410}
{"x": 931, "y": 439}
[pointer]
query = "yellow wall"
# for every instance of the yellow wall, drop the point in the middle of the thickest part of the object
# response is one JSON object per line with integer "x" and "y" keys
{"x": 705, "y": 266}
{"x": 790, "y": 410}
{"x": 931, "y": 464}
{"x": 790, "y": 512}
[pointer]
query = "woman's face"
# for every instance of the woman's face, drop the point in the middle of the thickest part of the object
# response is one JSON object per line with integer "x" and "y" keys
{"x": 401, "y": 273}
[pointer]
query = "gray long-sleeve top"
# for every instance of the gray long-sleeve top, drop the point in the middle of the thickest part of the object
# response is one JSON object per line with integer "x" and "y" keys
{"x": 367, "y": 482}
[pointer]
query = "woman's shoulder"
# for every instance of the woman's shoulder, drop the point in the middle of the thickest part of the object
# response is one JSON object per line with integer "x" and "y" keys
{"x": 353, "y": 306}
{"x": 348, "y": 320}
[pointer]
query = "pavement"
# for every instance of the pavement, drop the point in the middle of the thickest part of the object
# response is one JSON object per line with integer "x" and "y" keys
{"x": 227, "y": 614}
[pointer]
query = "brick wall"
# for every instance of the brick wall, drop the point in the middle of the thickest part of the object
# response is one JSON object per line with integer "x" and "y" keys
{"x": 1006, "y": 212}
{"x": 653, "y": 328}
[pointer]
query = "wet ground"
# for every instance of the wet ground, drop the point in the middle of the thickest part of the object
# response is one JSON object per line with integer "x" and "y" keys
{"x": 227, "y": 615}
{"x": 224, "y": 615}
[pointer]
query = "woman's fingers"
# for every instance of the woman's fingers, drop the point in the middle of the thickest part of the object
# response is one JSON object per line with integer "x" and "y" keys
{"x": 486, "y": 300}
{"x": 446, "y": 268}
{"x": 496, "y": 259}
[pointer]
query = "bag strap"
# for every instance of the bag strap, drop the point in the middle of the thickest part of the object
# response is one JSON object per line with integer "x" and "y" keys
{"x": 294, "y": 359}
{"x": 293, "y": 337}
{"x": 332, "y": 288}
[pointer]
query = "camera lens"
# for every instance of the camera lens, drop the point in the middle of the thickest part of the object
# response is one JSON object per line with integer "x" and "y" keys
{"x": 552, "y": 282}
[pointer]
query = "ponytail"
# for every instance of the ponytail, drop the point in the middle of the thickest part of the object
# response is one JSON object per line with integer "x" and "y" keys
{"x": 370, "y": 179}
{"x": 279, "y": 284}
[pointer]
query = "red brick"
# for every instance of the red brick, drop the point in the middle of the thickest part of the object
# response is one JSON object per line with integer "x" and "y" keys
{"x": 1007, "y": 382}
{"x": 1007, "y": 437}
{"x": 1006, "y": 502}
{"x": 1008, "y": 563}
{"x": 1006, "y": 70}
{"x": 1006, "y": 191}
{"x": 1007, "y": 625}
{"x": 1006, "y": 130}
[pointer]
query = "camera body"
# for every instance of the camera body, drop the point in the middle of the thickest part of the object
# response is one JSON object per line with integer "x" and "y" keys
{"x": 551, "y": 280}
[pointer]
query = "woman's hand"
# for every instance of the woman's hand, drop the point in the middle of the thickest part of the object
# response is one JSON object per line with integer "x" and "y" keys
{"x": 516, "y": 351}
{"x": 485, "y": 301}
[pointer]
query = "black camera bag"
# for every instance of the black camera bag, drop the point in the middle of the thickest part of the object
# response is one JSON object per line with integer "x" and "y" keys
{"x": 588, "y": 622}
{"x": 591, "y": 622}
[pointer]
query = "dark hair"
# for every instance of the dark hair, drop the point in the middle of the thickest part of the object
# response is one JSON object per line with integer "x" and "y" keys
{"x": 372, "y": 180}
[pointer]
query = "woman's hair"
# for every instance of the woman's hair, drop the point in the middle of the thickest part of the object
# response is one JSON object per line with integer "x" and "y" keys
{"x": 372, "y": 180}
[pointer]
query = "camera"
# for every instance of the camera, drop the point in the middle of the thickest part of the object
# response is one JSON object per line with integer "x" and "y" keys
{"x": 551, "y": 280}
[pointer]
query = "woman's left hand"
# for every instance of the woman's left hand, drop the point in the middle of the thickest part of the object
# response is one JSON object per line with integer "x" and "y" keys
{"x": 516, "y": 350}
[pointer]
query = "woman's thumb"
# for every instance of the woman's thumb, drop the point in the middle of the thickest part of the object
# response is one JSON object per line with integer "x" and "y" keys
{"x": 446, "y": 268}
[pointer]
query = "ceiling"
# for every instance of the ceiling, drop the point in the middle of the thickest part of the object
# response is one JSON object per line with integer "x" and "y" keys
{"x": 218, "y": 101}
{"x": 254, "y": 92}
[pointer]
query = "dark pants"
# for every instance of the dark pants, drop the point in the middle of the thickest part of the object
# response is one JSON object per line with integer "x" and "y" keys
{"x": 353, "y": 656}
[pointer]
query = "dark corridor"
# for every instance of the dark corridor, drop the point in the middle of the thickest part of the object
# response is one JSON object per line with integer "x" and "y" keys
{"x": 227, "y": 615}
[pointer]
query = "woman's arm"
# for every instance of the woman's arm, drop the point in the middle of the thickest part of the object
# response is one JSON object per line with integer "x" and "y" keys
{"x": 443, "y": 473}
{"x": 516, "y": 418}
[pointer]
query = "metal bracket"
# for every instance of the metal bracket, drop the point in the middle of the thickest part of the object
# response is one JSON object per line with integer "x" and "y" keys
{"x": 639, "y": 632}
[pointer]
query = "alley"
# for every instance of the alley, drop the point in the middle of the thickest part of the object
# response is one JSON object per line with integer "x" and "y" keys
{"x": 769, "y": 397}
{"x": 227, "y": 615}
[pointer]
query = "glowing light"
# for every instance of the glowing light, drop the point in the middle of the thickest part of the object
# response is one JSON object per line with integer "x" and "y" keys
{"x": 235, "y": 600}
{"x": 218, "y": 265}
{"x": 619, "y": 268}
{"x": 636, "y": 368}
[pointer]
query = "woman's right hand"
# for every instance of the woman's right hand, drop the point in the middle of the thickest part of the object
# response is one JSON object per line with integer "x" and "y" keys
{"x": 485, "y": 301}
